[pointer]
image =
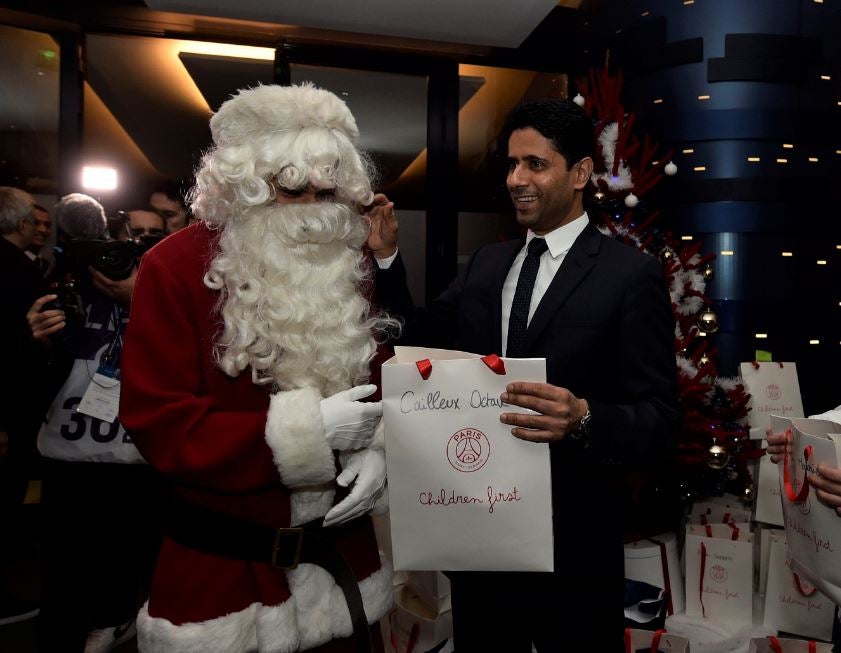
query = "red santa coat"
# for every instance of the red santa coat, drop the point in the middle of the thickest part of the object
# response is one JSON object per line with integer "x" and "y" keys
{"x": 230, "y": 445}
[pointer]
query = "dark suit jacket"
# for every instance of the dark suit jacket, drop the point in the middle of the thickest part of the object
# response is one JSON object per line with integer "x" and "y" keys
{"x": 606, "y": 329}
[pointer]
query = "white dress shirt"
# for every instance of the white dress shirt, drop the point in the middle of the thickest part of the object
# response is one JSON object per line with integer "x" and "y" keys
{"x": 559, "y": 242}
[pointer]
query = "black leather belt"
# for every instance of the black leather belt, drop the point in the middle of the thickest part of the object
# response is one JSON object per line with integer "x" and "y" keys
{"x": 219, "y": 534}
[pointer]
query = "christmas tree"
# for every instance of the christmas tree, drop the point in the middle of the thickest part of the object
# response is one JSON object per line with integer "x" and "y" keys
{"x": 713, "y": 444}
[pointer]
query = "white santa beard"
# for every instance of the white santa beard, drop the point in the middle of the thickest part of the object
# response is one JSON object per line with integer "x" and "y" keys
{"x": 291, "y": 306}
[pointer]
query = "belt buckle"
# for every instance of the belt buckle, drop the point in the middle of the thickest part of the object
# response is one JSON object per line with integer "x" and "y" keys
{"x": 280, "y": 559}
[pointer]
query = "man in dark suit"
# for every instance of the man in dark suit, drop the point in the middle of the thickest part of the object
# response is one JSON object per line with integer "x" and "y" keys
{"x": 21, "y": 400}
{"x": 599, "y": 312}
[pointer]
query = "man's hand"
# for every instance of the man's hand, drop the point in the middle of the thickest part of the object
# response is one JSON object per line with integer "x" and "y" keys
{"x": 44, "y": 323}
{"x": 382, "y": 236}
{"x": 559, "y": 410}
{"x": 828, "y": 486}
{"x": 120, "y": 291}
{"x": 776, "y": 445}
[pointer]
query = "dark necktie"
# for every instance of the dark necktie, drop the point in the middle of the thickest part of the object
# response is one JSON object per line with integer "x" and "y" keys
{"x": 519, "y": 320}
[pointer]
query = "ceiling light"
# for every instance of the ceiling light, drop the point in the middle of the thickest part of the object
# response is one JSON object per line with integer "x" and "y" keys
{"x": 826, "y": 77}
{"x": 761, "y": 335}
{"x": 727, "y": 252}
{"x": 782, "y": 160}
{"x": 645, "y": 13}
{"x": 98, "y": 178}
{"x": 788, "y": 254}
{"x": 753, "y": 159}
{"x": 788, "y": 146}
{"x": 659, "y": 100}
{"x": 227, "y": 50}
{"x": 686, "y": 237}
{"x": 692, "y": 2}
{"x": 821, "y": 261}
{"x": 703, "y": 97}
{"x": 699, "y": 168}
{"x": 814, "y": 342}
{"x": 813, "y": 159}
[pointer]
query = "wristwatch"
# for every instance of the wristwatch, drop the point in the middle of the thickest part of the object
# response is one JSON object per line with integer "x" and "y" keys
{"x": 582, "y": 433}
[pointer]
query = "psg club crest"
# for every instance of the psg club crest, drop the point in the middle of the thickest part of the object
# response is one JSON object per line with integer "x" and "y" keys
{"x": 468, "y": 450}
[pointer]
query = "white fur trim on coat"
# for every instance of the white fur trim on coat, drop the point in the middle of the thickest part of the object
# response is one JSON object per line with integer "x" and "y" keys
{"x": 295, "y": 434}
{"x": 316, "y": 613}
{"x": 311, "y": 503}
{"x": 321, "y": 607}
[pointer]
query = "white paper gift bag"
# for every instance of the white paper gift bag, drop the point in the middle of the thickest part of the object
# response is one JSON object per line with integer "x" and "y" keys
{"x": 780, "y": 645}
{"x": 769, "y": 508}
{"x": 654, "y": 641}
{"x": 431, "y": 587}
{"x": 719, "y": 572}
{"x": 655, "y": 561}
{"x": 465, "y": 494}
{"x": 717, "y": 511}
{"x": 414, "y": 627}
{"x": 792, "y": 604}
{"x": 774, "y": 389}
{"x": 813, "y": 529}
{"x": 766, "y": 538}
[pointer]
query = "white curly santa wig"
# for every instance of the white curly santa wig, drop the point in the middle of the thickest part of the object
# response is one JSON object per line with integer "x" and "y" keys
{"x": 297, "y": 135}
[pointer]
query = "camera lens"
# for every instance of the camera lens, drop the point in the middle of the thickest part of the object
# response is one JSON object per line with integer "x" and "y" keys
{"x": 115, "y": 259}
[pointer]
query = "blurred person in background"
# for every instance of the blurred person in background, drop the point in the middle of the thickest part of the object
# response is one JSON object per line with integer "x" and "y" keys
{"x": 21, "y": 405}
{"x": 99, "y": 498}
{"x": 43, "y": 231}
{"x": 167, "y": 201}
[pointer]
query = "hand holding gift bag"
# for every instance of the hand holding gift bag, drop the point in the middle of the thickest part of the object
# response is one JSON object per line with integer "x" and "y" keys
{"x": 813, "y": 529}
{"x": 465, "y": 494}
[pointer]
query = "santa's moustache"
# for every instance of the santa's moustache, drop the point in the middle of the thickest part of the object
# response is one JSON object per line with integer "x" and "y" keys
{"x": 290, "y": 278}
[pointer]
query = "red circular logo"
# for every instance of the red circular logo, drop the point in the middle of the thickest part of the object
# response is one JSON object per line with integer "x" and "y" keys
{"x": 774, "y": 391}
{"x": 718, "y": 573}
{"x": 468, "y": 450}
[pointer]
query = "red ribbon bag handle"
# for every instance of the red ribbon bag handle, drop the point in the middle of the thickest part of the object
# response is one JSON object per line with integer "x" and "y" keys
{"x": 788, "y": 484}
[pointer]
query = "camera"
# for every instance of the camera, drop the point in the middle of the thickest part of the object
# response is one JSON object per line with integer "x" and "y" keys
{"x": 114, "y": 258}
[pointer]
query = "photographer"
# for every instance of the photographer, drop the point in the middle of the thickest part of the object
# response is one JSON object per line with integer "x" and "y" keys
{"x": 98, "y": 495}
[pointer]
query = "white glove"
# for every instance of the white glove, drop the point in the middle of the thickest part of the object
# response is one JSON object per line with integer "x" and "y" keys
{"x": 348, "y": 422}
{"x": 368, "y": 468}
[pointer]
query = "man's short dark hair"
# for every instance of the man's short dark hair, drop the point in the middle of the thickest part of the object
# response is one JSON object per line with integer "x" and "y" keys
{"x": 170, "y": 189}
{"x": 563, "y": 122}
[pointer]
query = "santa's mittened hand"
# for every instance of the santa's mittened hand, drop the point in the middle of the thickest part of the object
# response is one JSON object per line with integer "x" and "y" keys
{"x": 348, "y": 422}
{"x": 368, "y": 468}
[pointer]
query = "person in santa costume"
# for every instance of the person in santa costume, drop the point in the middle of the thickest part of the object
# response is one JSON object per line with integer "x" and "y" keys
{"x": 245, "y": 365}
